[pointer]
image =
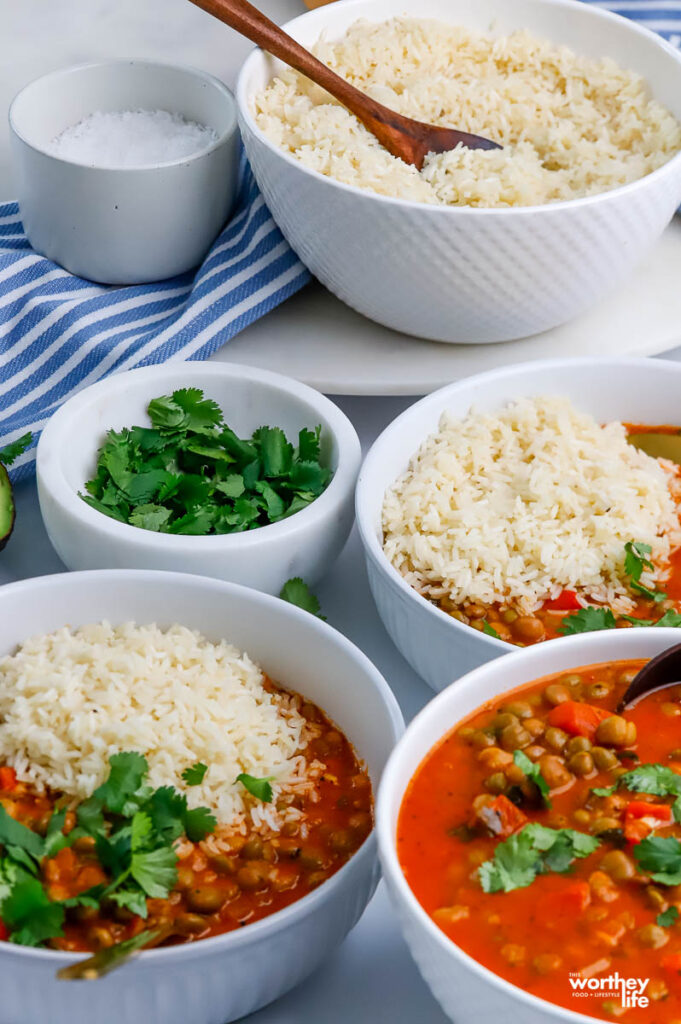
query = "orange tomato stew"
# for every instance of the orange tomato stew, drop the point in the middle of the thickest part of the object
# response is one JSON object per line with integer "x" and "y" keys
{"x": 542, "y": 836}
{"x": 561, "y": 615}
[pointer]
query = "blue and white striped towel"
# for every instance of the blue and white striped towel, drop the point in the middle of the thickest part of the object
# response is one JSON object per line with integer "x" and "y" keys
{"x": 59, "y": 333}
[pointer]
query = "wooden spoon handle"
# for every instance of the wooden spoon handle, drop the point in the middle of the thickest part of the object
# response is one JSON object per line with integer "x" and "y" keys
{"x": 252, "y": 23}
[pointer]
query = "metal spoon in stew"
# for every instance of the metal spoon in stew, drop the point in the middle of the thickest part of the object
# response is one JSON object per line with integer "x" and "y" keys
{"x": 405, "y": 138}
{"x": 661, "y": 671}
{"x": 112, "y": 957}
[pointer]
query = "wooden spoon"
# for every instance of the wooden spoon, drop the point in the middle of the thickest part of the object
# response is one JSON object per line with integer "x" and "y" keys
{"x": 405, "y": 138}
{"x": 663, "y": 670}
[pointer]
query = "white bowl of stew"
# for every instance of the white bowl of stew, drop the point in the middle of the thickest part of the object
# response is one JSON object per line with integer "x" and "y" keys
{"x": 512, "y": 954}
{"x": 304, "y": 543}
{"x": 220, "y": 978}
{"x": 437, "y": 645}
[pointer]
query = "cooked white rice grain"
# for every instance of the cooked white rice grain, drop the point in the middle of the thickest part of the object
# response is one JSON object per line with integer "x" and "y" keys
{"x": 71, "y": 699}
{"x": 513, "y": 507}
{"x": 570, "y": 126}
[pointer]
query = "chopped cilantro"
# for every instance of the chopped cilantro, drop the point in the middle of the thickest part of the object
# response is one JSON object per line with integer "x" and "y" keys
{"x": 587, "y": 620}
{"x": 259, "y": 788}
{"x": 660, "y": 857}
{"x": 654, "y": 779}
{"x": 29, "y": 914}
{"x": 189, "y": 473}
{"x": 125, "y": 777}
{"x": 297, "y": 592}
{"x": 489, "y": 630}
{"x": 155, "y": 871}
{"x": 668, "y": 917}
{"x": 533, "y": 772}
{"x": 134, "y": 900}
{"x": 670, "y": 618}
{"x": 533, "y": 851}
{"x": 11, "y": 452}
{"x": 134, "y": 828}
{"x": 198, "y": 823}
{"x": 635, "y": 562}
{"x": 194, "y": 776}
{"x": 13, "y": 833}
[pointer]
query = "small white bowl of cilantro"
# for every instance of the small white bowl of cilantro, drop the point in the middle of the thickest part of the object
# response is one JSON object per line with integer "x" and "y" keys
{"x": 218, "y": 470}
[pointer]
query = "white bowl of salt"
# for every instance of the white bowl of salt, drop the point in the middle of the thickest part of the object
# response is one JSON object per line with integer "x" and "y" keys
{"x": 126, "y": 170}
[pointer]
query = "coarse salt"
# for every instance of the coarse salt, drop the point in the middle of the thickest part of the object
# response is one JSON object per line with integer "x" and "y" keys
{"x": 132, "y": 138}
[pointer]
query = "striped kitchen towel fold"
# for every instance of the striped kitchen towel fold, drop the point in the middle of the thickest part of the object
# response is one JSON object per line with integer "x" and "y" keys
{"x": 663, "y": 16}
{"x": 59, "y": 333}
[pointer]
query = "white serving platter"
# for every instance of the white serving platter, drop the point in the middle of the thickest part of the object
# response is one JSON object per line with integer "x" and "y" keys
{"x": 322, "y": 342}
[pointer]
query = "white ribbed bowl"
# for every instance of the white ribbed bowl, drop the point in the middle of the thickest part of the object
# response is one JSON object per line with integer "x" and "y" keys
{"x": 304, "y": 545}
{"x": 469, "y": 275}
{"x": 215, "y": 980}
{"x": 468, "y": 992}
{"x": 437, "y": 646}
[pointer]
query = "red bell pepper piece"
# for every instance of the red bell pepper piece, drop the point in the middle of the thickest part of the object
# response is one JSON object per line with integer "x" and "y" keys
{"x": 8, "y": 778}
{"x": 578, "y": 719}
{"x": 640, "y": 818}
{"x": 567, "y": 601}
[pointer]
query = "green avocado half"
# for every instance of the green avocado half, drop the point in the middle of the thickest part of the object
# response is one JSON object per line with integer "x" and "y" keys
{"x": 7, "y": 511}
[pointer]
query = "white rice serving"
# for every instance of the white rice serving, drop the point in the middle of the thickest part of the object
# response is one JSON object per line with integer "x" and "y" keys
{"x": 570, "y": 126}
{"x": 72, "y": 698}
{"x": 515, "y": 506}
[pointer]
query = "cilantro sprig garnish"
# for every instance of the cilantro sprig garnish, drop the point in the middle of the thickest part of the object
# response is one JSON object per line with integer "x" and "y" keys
{"x": 11, "y": 452}
{"x": 194, "y": 775}
{"x": 134, "y": 827}
{"x": 533, "y": 772}
{"x": 660, "y": 857}
{"x": 654, "y": 779}
{"x": 259, "y": 788}
{"x": 533, "y": 851}
{"x": 189, "y": 472}
{"x": 297, "y": 592}
{"x": 635, "y": 562}
{"x": 587, "y": 620}
{"x": 668, "y": 917}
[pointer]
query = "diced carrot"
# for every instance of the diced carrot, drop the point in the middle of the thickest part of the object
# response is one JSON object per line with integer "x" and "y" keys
{"x": 640, "y": 818}
{"x": 502, "y": 817}
{"x": 574, "y": 899}
{"x": 567, "y": 601}
{"x": 672, "y": 965}
{"x": 3, "y": 931}
{"x": 8, "y": 778}
{"x": 578, "y": 719}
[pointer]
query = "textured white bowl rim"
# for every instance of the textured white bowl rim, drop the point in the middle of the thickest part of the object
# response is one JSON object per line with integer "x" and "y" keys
{"x": 587, "y": 10}
{"x": 187, "y": 69}
{"x": 345, "y": 435}
{"x": 478, "y": 678}
{"x": 279, "y": 920}
{"x": 365, "y": 524}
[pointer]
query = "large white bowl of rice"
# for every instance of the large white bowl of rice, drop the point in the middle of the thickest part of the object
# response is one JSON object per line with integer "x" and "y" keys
{"x": 477, "y": 246}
